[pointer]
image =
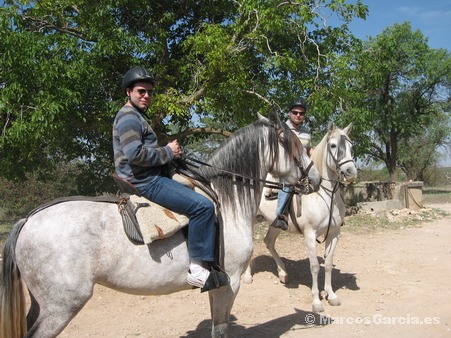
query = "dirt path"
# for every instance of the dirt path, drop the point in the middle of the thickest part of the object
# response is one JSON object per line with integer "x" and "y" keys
{"x": 392, "y": 283}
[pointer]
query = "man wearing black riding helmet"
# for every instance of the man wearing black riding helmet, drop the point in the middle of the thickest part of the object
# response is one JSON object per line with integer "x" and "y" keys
{"x": 297, "y": 111}
{"x": 136, "y": 83}
{"x": 140, "y": 160}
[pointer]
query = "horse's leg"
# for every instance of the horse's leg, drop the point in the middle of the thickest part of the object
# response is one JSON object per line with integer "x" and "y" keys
{"x": 33, "y": 312}
{"x": 221, "y": 302}
{"x": 270, "y": 241}
{"x": 310, "y": 244}
{"x": 331, "y": 244}
{"x": 58, "y": 271}
{"x": 247, "y": 276}
{"x": 56, "y": 312}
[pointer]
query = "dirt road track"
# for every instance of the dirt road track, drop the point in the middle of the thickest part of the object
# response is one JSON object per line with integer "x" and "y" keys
{"x": 392, "y": 283}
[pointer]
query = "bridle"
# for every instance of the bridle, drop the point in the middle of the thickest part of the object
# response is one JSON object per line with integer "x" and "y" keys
{"x": 302, "y": 186}
{"x": 338, "y": 160}
{"x": 340, "y": 155}
{"x": 338, "y": 163}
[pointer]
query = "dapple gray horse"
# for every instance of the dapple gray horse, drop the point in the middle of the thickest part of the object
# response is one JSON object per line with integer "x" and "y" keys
{"x": 62, "y": 251}
{"x": 322, "y": 212}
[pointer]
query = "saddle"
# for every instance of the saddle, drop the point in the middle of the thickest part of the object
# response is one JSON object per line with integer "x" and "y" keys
{"x": 272, "y": 194}
{"x": 143, "y": 220}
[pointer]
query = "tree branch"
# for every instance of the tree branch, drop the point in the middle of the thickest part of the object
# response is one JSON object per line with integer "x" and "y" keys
{"x": 41, "y": 24}
{"x": 261, "y": 97}
{"x": 193, "y": 97}
{"x": 202, "y": 130}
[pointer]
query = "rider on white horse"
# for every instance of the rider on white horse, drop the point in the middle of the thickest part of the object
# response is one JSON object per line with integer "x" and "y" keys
{"x": 296, "y": 119}
{"x": 141, "y": 161}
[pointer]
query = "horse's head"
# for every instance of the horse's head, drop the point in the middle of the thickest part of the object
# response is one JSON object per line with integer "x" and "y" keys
{"x": 339, "y": 152}
{"x": 289, "y": 161}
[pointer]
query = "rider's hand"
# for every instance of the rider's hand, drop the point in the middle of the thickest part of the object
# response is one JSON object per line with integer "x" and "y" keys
{"x": 175, "y": 147}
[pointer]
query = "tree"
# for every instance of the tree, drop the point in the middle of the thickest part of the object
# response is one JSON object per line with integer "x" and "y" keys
{"x": 218, "y": 61}
{"x": 419, "y": 155}
{"x": 392, "y": 88}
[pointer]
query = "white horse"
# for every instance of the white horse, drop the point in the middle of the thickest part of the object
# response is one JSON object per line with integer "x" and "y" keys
{"x": 62, "y": 251}
{"x": 322, "y": 213}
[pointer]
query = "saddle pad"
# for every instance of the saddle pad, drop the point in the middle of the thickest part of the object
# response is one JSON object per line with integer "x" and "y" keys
{"x": 155, "y": 221}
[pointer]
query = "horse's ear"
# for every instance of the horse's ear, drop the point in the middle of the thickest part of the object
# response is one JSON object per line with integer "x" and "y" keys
{"x": 331, "y": 127}
{"x": 348, "y": 129}
{"x": 262, "y": 118}
{"x": 274, "y": 118}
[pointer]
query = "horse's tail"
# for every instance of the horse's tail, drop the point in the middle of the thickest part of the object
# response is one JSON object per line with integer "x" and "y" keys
{"x": 12, "y": 296}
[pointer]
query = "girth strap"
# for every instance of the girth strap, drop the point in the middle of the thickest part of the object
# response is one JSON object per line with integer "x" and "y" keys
{"x": 126, "y": 209}
{"x": 105, "y": 198}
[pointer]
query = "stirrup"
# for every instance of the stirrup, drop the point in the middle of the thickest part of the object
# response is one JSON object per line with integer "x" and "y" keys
{"x": 280, "y": 223}
{"x": 217, "y": 278}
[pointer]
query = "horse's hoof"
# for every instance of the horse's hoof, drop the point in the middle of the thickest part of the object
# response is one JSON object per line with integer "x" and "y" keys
{"x": 247, "y": 279}
{"x": 283, "y": 279}
{"x": 334, "y": 301}
{"x": 317, "y": 308}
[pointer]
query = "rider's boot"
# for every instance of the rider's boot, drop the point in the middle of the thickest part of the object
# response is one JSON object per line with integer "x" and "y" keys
{"x": 281, "y": 222}
{"x": 206, "y": 279}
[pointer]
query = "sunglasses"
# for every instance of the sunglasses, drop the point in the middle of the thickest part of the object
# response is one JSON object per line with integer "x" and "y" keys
{"x": 142, "y": 92}
{"x": 294, "y": 112}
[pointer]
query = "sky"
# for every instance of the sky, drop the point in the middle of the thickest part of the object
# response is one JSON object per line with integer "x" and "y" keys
{"x": 431, "y": 17}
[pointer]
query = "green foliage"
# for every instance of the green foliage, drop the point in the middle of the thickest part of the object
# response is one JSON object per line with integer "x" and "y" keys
{"x": 420, "y": 154}
{"x": 440, "y": 178}
{"x": 20, "y": 197}
{"x": 436, "y": 176}
{"x": 61, "y": 64}
{"x": 392, "y": 88}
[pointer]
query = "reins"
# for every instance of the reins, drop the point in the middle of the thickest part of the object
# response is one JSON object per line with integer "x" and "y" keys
{"x": 333, "y": 191}
{"x": 267, "y": 184}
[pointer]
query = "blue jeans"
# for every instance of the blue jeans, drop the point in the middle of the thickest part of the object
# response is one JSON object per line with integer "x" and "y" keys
{"x": 199, "y": 209}
{"x": 283, "y": 199}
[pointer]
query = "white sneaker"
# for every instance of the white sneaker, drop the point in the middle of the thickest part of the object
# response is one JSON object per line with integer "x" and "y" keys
{"x": 198, "y": 278}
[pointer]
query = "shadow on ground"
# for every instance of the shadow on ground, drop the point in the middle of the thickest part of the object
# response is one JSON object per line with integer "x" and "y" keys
{"x": 299, "y": 320}
{"x": 299, "y": 273}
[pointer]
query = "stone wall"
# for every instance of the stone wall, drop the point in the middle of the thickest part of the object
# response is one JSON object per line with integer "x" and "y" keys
{"x": 405, "y": 194}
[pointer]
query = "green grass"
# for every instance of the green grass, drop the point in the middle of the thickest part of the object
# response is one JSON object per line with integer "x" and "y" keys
{"x": 364, "y": 223}
{"x": 431, "y": 195}
{"x": 434, "y": 195}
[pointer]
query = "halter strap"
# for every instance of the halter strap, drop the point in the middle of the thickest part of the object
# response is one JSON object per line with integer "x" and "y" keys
{"x": 338, "y": 161}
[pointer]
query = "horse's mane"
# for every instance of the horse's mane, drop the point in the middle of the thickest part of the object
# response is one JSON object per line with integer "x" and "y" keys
{"x": 243, "y": 153}
{"x": 319, "y": 152}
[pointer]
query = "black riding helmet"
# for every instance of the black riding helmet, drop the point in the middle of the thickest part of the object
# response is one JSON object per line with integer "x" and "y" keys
{"x": 298, "y": 103}
{"x": 137, "y": 74}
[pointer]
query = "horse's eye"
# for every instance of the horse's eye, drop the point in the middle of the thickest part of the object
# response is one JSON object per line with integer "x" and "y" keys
{"x": 333, "y": 145}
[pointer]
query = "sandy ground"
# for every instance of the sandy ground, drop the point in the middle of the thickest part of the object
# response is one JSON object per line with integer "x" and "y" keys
{"x": 392, "y": 283}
